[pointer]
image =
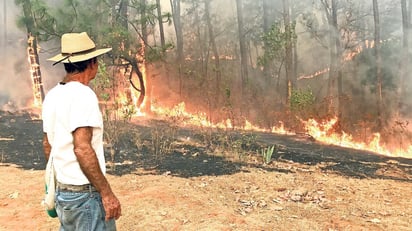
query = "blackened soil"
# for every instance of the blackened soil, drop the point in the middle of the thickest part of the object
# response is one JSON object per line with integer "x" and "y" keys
{"x": 21, "y": 140}
{"x": 21, "y": 145}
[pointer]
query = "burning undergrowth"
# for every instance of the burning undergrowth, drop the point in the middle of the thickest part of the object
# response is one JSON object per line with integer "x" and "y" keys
{"x": 163, "y": 146}
{"x": 219, "y": 127}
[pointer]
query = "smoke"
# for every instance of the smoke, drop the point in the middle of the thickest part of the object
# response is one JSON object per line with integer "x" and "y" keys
{"x": 15, "y": 83}
{"x": 16, "y": 90}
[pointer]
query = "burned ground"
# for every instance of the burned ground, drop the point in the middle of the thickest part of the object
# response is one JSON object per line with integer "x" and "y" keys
{"x": 22, "y": 136}
{"x": 307, "y": 186}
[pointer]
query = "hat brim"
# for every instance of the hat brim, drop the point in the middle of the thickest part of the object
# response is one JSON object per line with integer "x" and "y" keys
{"x": 80, "y": 57}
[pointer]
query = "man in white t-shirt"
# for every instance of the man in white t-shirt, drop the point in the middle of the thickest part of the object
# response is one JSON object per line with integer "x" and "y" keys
{"x": 73, "y": 136}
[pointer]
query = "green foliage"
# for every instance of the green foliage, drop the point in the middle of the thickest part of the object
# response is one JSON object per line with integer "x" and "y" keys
{"x": 275, "y": 41}
{"x": 148, "y": 9}
{"x": 127, "y": 108}
{"x": 302, "y": 100}
{"x": 157, "y": 53}
{"x": 116, "y": 112}
{"x": 107, "y": 27}
{"x": 36, "y": 18}
{"x": 102, "y": 82}
{"x": 267, "y": 153}
{"x": 274, "y": 44}
{"x": 116, "y": 106}
{"x": 167, "y": 18}
{"x": 96, "y": 18}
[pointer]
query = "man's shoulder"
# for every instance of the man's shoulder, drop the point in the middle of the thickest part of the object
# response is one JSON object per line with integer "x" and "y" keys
{"x": 80, "y": 88}
{"x": 70, "y": 92}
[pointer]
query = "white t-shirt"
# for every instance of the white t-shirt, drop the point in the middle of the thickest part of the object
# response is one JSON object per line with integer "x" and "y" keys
{"x": 65, "y": 108}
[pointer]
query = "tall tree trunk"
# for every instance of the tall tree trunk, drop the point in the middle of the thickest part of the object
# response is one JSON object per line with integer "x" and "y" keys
{"x": 38, "y": 92}
{"x": 122, "y": 15}
{"x": 32, "y": 51}
{"x": 212, "y": 43}
{"x": 201, "y": 40}
{"x": 143, "y": 65}
{"x": 378, "y": 60}
{"x": 288, "y": 50}
{"x": 333, "y": 71}
{"x": 122, "y": 19}
{"x": 294, "y": 50}
{"x": 161, "y": 28}
{"x": 266, "y": 28}
{"x": 175, "y": 5}
{"x": 338, "y": 55}
{"x": 404, "y": 69}
{"x": 242, "y": 45}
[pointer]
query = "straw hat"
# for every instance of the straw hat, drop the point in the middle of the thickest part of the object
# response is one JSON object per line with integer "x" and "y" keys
{"x": 76, "y": 47}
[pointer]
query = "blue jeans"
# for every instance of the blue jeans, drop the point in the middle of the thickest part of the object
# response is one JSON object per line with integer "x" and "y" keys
{"x": 82, "y": 211}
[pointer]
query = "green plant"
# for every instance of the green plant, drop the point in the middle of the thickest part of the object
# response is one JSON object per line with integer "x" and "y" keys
{"x": 302, "y": 102}
{"x": 267, "y": 154}
{"x": 275, "y": 41}
{"x": 301, "y": 99}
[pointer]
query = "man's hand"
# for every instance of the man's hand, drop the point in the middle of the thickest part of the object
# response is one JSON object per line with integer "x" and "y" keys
{"x": 89, "y": 164}
{"x": 111, "y": 206}
{"x": 46, "y": 146}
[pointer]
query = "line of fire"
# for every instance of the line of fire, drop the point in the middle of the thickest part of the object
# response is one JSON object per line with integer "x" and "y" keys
{"x": 166, "y": 87}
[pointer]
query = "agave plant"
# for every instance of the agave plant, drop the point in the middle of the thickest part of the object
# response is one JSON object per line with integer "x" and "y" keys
{"x": 267, "y": 154}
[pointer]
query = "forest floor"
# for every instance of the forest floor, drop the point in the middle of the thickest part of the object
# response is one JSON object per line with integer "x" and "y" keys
{"x": 306, "y": 186}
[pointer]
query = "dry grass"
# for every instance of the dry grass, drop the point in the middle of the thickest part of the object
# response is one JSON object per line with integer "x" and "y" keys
{"x": 216, "y": 180}
{"x": 292, "y": 197}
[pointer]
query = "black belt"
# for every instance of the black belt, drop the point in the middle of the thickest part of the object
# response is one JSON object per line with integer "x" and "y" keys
{"x": 75, "y": 188}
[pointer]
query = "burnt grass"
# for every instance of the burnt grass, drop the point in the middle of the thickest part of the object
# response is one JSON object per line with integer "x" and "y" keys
{"x": 21, "y": 146}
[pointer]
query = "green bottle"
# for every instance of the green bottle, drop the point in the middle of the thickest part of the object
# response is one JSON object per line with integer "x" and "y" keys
{"x": 51, "y": 212}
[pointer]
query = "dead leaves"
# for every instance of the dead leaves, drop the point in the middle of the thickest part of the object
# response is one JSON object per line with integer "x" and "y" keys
{"x": 302, "y": 195}
{"x": 283, "y": 200}
{"x": 247, "y": 206}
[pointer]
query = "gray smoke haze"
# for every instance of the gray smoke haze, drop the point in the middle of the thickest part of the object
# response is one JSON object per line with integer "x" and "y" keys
{"x": 15, "y": 80}
{"x": 15, "y": 83}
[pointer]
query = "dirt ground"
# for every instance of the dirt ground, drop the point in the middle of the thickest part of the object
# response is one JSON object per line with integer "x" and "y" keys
{"x": 307, "y": 186}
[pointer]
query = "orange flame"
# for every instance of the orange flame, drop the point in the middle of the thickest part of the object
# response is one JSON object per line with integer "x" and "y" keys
{"x": 137, "y": 110}
{"x": 200, "y": 119}
{"x": 323, "y": 133}
{"x": 35, "y": 78}
{"x": 326, "y": 70}
{"x": 348, "y": 56}
{"x": 320, "y": 131}
{"x": 358, "y": 49}
{"x": 281, "y": 130}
